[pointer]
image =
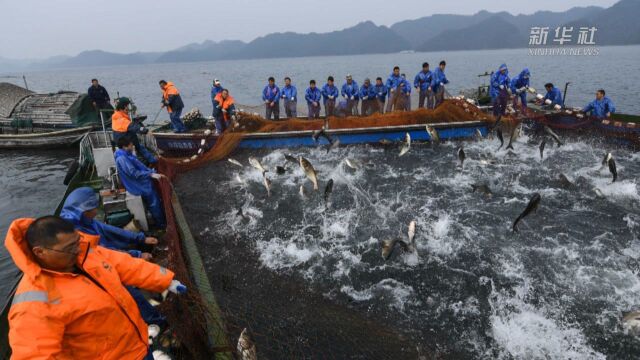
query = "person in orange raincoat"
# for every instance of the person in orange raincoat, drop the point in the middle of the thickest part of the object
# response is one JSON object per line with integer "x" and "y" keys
{"x": 224, "y": 110}
{"x": 172, "y": 100}
{"x": 71, "y": 302}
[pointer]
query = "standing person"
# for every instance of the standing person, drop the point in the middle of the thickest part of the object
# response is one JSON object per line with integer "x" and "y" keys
{"x": 602, "y": 107}
{"x": 368, "y": 97}
{"x": 350, "y": 94}
{"x": 438, "y": 81}
{"x": 313, "y": 95}
{"x": 172, "y": 100}
{"x": 290, "y": 95}
{"x": 405, "y": 88}
{"x": 519, "y": 86}
{"x": 380, "y": 92}
{"x": 216, "y": 88}
{"x": 224, "y": 110}
{"x": 271, "y": 98}
{"x": 122, "y": 125}
{"x": 136, "y": 179}
{"x": 329, "y": 95}
{"x": 99, "y": 96}
{"x": 71, "y": 302}
{"x": 553, "y": 96}
{"x": 500, "y": 84}
{"x": 422, "y": 83}
{"x": 393, "y": 82}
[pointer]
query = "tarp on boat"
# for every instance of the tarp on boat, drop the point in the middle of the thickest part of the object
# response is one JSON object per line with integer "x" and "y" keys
{"x": 10, "y": 96}
{"x": 61, "y": 109}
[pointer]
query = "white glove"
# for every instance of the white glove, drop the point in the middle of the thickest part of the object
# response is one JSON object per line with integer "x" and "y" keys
{"x": 441, "y": 84}
{"x": 266, "y": 101}
{"x": 156, "y": 176}
{"x": 352, "y": 97}
{"x": 331, "y": 97}
{"x": 176, "y": 287}
{"x": 365, "y": 97}
{"x": 293, "y": 99}
{"x": 501, "y": 87}
{"x": 548, "y": 102}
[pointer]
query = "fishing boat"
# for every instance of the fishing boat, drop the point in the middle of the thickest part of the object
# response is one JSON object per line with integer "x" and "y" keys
{"x": 41, "y": 121}
{"x": 97, "y": 170}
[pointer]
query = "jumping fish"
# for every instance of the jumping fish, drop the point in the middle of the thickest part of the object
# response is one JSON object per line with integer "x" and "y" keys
{"x": 542, "y": 145}
{"x": 302, "y": 193}
{"x": 309, "y": 171}
{"x": 482, "y": 188}
{"x": 461, "y": 156}
{"x": 514, "y": 135}
{"x": 532, "y": 206}
{"x": 334, "y": 144}
{"x": 234, "y": 162}
{"x": 564, "y": 181}
{"x": 499, "y": 132}
{"x": 407, "y": 144}
{"x": 256, "y": 164}
{"x": 387, "y": 247}
{"x": 327, "y": 192}
{"x": 553, "y": 135}
{"x": 612, "y": 169}
{"x": 318, "y": 133}
{"x": 246, "y": 347}
{"x": 631, "y": 322}
{"x": 478, "y": 134}
{"x": 606, "y": 159}
{"x": 351, "y": 163}
{"x": 267, "y": 184}
{"x": 411, "y": 233}
{"x": 290, "y": 159}
{"x": 433, "y": 134}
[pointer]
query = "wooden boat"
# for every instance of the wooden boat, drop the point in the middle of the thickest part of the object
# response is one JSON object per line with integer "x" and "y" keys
{"x": 187, "y": 144}
{"x": 30, "y": 120}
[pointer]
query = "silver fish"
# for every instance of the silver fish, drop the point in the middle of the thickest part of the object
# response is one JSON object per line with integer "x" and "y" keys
{"x": 532, "y": 206}
{"x": 542, "y": 145}
{"x": 256, "y": 164}
{"x": 411, "y": 233}
{"x": 334, "y": 145}
{"x": 351, "y": 163}
{"x": 327, "y": 192}
{"x": 267, "y": 184}
{"x": 290, "y": 159}
{"x": 246, "y": 347}
{"x": 499, "y": 132}
{"x": 564, "y": 181}
{"x": 606, "y": 159}
{"x": 407, "y": 144}
{"x": 309, "y": 171}
{"x": 514, "y": 135}
{"x": 553, "y": 135}
{"x": 235, "y": 162}
{"x": 387, "y": 247}
{"x": 302, "y": 192}
{"x": 612, "y": 169}
{"x": 461, "y": 156}
{"x": 478, "y": 134}
{"x": 433, "y": 133}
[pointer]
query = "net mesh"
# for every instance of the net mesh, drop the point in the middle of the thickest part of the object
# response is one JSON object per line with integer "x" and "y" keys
{"x": 285, "y": 317}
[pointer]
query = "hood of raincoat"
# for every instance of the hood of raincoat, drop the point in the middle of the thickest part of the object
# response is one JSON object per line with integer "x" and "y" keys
{"x": 79, "y": 201}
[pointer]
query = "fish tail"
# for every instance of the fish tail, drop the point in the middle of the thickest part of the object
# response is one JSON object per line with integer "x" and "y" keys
{"x": 510, "y": 147}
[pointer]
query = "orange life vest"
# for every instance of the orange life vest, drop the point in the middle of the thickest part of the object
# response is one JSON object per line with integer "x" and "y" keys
{"x": 169, "y": 89}
{"x": 224, "y": 104}
{"x": 120, "y": 121}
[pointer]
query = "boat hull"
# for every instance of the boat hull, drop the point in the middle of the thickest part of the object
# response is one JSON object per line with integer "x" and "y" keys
{"x": 44, "y": 140}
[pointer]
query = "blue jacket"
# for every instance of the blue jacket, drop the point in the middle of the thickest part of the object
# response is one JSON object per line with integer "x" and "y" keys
{"x": 555, "y": 95}
{"x": 437, "y": 78}
{"x": 289, "y": 92}
{"x": 214, "y": 91}
{"x": 367, "y": 91}
{"x": 423, "y": 80}
{"x": 380, "y": 91}
{"x": 112, "y": 237}
{"x": 520, "y": 81}
{"x": 499, "y": 79}
{"x": 271, "y": 94}
{"x": 350, "y": 90}
{"x": 312, "y": 95}
{"x": 406, "y": 86}
{"x": 329, "y": 91}
{"x": 393, "y": 82}
{"x": 135, "y": 177}
{"x": 600, "y": 108}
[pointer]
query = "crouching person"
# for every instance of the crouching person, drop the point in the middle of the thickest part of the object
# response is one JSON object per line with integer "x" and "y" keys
{"x": 71, "y": 302}
{"x": 224, "y": 110}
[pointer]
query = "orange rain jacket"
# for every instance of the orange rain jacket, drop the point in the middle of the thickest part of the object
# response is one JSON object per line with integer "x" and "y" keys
{"x": 120, "y": 121}
{"x": 224, "y": 104}
{"x": 171, "y": 95}
{"x": 84, "y": 315}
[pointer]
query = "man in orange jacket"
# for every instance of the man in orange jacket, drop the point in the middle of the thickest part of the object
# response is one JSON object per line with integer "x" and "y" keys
{"x": 172, "y": 100}
{"x": 224, "y": 110}
{"x": 71, "y": 302}
{"x": 122, "y": 125}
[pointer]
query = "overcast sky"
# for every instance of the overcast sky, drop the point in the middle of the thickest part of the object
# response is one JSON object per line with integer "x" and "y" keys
{"x": 42, "y": 28}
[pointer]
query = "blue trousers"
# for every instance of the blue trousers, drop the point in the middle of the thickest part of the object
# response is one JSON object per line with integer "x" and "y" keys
{"x": 221, "y": 124}
{"x": 154, "y": 204}
{"x": 149, "y": 314}
{"x": 176, "y": 122}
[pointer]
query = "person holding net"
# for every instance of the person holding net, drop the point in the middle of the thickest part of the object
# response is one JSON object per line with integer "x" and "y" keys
{"x": 393, "y": 82}
{"x": 438, "y": 81}
{"x": 422, "y": 83}
{"x": 350, "y": 93}
{"x": 368, "y": 97}
{"x": 499, "y": 91}
{"x": 271, "y": 98}
{"x": 329, "y": 95}
{"x": 289, "y": 94}
{"x": 172, "y": 100}
{"x": 313, "y": 95}
{"x": 380, "y": 92}
{"x": 224, "y": 110}
{"x": 405, "y": 93}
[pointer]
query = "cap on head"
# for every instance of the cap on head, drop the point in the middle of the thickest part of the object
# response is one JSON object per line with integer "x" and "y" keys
{"x": 123, "y": 102}
{"x": 216, "y": 82}
{"x": 349, "y": 77}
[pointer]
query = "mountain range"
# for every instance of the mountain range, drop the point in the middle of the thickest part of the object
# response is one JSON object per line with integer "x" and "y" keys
{"x": 616, "y": 25}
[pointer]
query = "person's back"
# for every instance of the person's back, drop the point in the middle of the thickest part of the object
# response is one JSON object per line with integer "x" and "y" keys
{"x": 71, "y": 302}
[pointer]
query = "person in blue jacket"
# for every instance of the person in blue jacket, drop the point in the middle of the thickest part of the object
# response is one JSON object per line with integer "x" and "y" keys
{"x": 271, "y": 98}
{"x": 393, "y": 82}
{"x": 422, "y": 83}
{"x": 350, "y": 92}
{"x": 602, "y": 107}
{"x": 289, "y": 94}
{"x": 553, "y": 96}
{"x": 438, "y": 81}
{"x": 368, "y": 97}
{"x": 342, "y": 109}
{"x": 405, "y": 87}
{"x": 216, "y": 88}
{"x": 80, "y": 208}
{"x": 380, "y": 92}
{"x": 136, "y": 179}
{"x": 499, "y": 90}
{"x": 329, "y": 95}
{"x": 313, "y": 95}
{"x": 519, "y": 86}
